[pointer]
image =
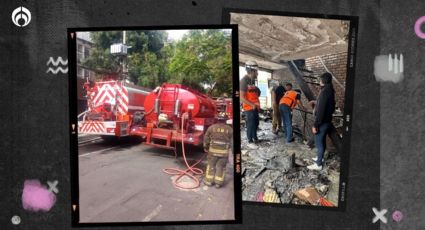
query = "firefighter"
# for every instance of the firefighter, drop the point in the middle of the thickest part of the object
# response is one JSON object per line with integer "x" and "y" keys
{"x": 250, "y": 102}
{"x": 218, "y": 142}
{"x": 287, "y": 103}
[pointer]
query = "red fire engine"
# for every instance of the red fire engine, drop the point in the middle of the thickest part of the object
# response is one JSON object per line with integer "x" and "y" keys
{"x": 175, "y": 113}
{"x": 225, "y": 105}
{"x": 170, "y": 113}
{"x": 111, "y": 104}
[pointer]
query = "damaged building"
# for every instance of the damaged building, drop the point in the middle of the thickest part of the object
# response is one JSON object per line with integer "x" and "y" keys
{"x": 293, "y": 50}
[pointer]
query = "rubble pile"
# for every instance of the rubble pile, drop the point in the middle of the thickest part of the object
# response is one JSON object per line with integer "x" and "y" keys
{"x": 282, "y": 167}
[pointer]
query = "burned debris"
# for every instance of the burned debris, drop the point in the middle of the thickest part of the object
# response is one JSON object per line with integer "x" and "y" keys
{"x": 293, "y": 67}
{"x": 281, "y": 167}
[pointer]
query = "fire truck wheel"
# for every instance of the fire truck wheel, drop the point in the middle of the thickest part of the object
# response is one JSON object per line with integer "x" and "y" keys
{"x": 109, "y": 138}
{"x": 137, "y": 139}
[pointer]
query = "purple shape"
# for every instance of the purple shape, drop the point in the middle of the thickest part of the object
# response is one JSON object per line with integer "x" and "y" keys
{"x": 418, "y": 25}
{"x": 37, "y": 197}
{"x": 397, "y": 216}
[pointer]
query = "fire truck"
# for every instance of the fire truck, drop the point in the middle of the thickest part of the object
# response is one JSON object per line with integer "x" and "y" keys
{"x": 169, "y": 114}
{"x": 175, "y": 113}
{"x": 111, "y": 104}
{"x": 225, "y": 105}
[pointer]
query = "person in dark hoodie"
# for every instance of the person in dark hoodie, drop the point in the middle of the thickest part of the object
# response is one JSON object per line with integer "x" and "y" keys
{"x": 325, "y": 107}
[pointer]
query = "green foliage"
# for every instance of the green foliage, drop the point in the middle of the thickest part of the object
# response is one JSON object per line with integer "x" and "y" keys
{"x": 100, "y": 57}
{"x": 143, "y": 63}
{"x": 201, "y": 59}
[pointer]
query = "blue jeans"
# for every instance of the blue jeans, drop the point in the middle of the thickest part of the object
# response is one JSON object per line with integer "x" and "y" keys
{"x": 252, "y": 121}
{"x": 286, "y": 113}
{"x": 320, "y": 141}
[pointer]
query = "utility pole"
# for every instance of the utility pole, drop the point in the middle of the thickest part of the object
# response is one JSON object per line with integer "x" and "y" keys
{"x": 124, "y": 58}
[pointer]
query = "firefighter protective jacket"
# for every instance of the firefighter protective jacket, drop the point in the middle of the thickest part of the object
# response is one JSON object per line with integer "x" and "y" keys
{"x": 218, "y": 139}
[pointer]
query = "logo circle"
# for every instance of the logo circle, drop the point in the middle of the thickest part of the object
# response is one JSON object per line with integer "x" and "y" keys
{"x": 21, "y": 16}
{"x": 16, "y": 220}
{"x": 418, "y": 25}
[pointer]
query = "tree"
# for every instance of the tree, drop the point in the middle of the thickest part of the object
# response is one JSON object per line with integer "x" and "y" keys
{"x": 143, "y": 57}
{"x": 100, "y": 58}
{"x": 203, "y": 61}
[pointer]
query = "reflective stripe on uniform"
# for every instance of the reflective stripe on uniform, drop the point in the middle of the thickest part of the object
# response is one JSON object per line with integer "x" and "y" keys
{"x": 207, "y": 175}
{"x": 219, "y": 178}
{"x": 220, "y": 142}
{"x": 215, "y": 150}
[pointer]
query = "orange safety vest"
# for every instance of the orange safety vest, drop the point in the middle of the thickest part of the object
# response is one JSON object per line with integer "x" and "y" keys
{"x": 289, "y": 99}
{"x": 252, "y": 96}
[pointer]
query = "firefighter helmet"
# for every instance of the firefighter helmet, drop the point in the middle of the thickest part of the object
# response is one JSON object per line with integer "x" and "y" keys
{"x": 222, "y": 116}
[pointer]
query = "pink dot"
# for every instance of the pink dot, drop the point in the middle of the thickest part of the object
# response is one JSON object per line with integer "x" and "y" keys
{"x": 36, "y": 197}
{"x": 397, "y": 216}
{"x": 418, "y": 25}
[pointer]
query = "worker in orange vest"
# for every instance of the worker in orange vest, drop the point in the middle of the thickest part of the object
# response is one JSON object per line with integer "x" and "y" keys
{"x": 287, "y": 103}
{"x": 250, "y": 102}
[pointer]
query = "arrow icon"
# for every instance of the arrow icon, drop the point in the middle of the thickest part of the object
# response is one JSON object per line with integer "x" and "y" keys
{"x": 74, "y": 206}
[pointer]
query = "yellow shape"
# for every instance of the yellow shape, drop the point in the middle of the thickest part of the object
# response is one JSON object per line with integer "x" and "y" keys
{"x": 270, "y": 196}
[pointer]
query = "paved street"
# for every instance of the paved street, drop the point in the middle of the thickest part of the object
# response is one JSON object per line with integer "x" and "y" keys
{"x": 123, "y": 182}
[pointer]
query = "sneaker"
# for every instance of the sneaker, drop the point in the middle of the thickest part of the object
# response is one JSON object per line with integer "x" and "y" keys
{"x": 207, "y": 183}
{"x": 217, "y": 185}
{"x": 314, "y": 167}
{"x": 257, "y": 141}
{"x": 292, "y": 140}
{"x": 252, "y": 146}
{"x": 315, "y": 159}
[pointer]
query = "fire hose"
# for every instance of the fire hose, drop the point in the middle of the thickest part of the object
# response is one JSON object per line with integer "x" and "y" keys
{"x": 191, "y": 170}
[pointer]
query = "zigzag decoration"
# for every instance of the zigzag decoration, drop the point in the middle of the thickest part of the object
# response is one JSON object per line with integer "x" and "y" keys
{"x": 57, "y": 70}
{"x": 58, "y": 60}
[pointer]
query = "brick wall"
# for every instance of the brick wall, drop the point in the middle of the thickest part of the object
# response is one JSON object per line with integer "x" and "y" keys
{"x": 337, "y": 64}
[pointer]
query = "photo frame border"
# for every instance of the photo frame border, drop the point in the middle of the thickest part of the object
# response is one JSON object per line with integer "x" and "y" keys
{"x": 348, "y": 102}
{"x": 73, "y": 121}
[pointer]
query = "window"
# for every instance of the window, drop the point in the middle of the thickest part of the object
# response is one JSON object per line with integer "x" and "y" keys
{"x": 80, "y": 72}
{"x": 86, "y": 52}
{"x": 80, "y": 48}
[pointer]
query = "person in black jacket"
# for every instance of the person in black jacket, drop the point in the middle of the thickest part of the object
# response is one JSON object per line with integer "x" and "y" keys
{"x": 325, "y": 107}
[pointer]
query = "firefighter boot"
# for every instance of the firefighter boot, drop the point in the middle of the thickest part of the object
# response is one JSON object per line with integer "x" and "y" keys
{"x": 210, "y": 172}
{"x": 220, "y": 172}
